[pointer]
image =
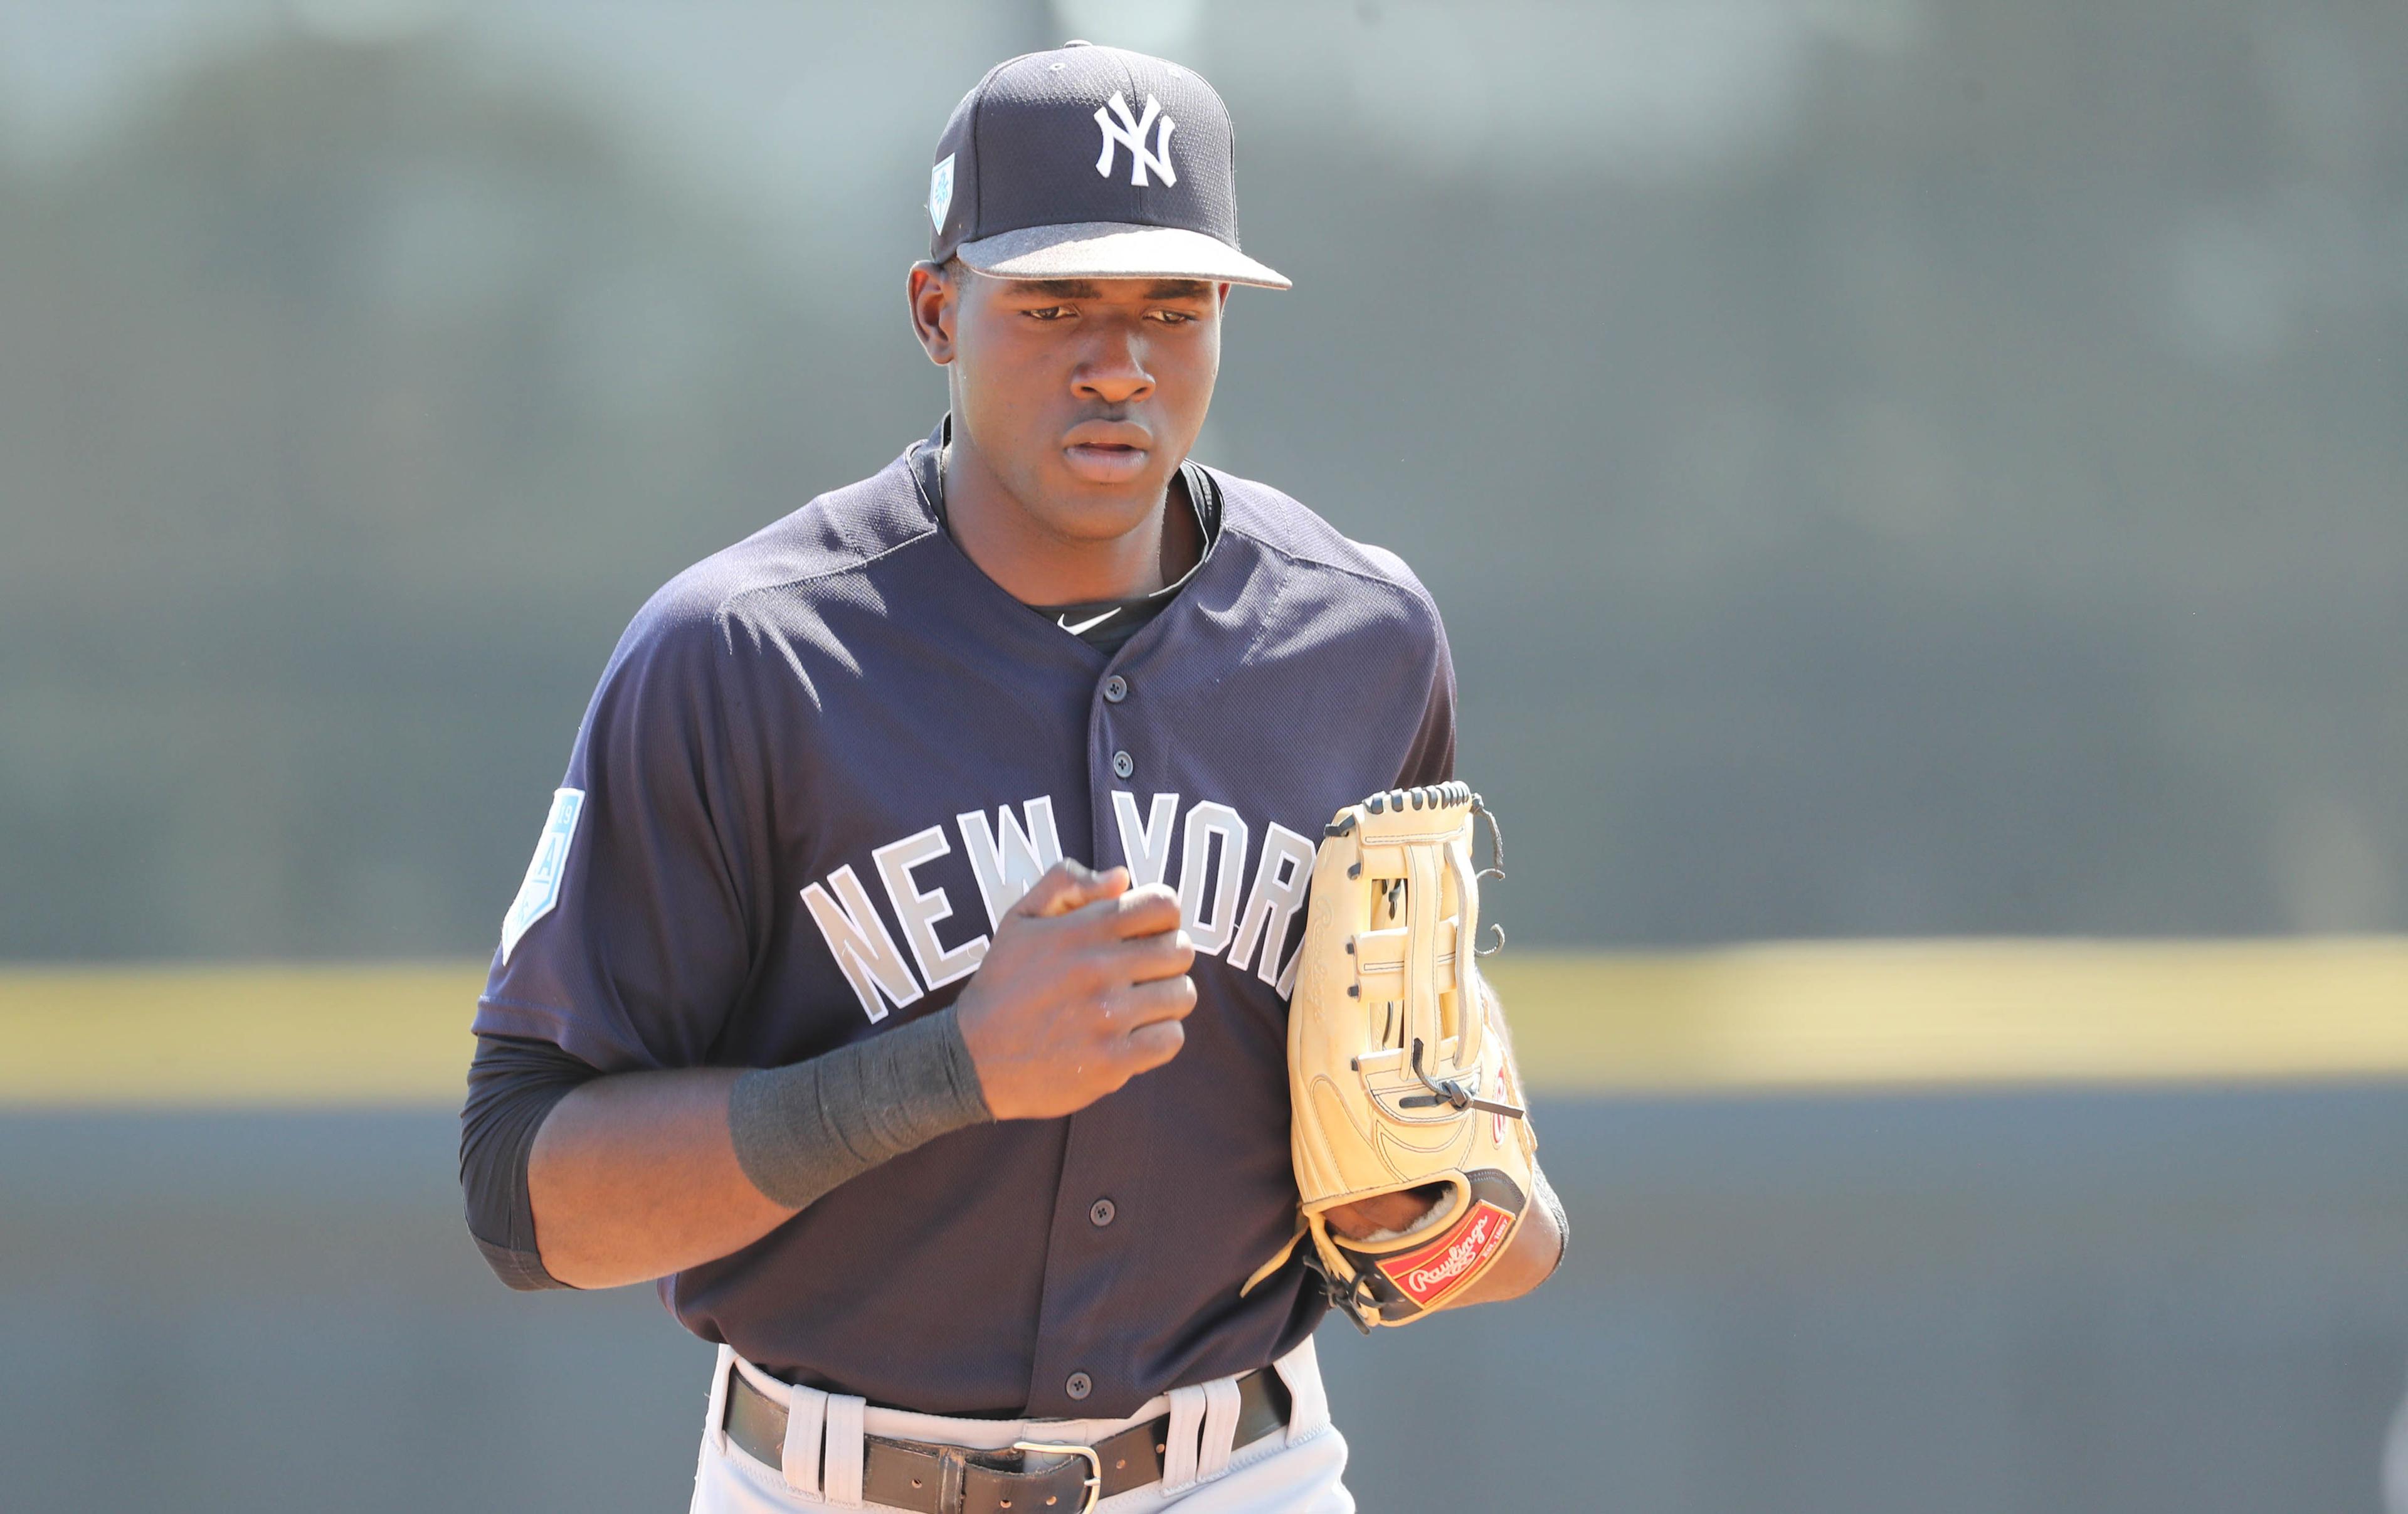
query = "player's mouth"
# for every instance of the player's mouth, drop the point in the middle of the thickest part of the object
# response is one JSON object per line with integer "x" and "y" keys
{"x": 1107, "y": 452}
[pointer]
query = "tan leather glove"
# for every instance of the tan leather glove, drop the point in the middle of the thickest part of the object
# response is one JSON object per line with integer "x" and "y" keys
{"x": 1397, "y": 1064}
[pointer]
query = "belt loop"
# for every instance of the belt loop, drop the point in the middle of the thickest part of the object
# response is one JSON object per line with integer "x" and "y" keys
{"x": 1179, "y": 1448}
{"x": 1220, "y": 1429}
{"x": 1308, "y": 1400}
{"x": 806, "y": 1412}
{"x": 714, "y": 1417}
{"x": 952, "y": 1479}
{"x": 841, "y": 1480}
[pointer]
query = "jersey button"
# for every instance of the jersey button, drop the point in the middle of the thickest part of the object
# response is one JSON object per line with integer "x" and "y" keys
{"x": 1123, "y": 764}
{"x": 1080, "y": 1385}
{"x": 1100, "y": 1213}
{"x": 1115, "y": 689}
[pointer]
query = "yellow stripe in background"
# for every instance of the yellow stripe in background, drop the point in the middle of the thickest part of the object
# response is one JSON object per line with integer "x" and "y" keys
{"x": 1836, "y": 1016}
{"x": 237, "y": 1036}
{"x": 1873, "y": 1014}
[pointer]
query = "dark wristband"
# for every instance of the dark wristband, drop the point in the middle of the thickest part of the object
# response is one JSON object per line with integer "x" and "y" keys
{"x": 801, "y": 1129}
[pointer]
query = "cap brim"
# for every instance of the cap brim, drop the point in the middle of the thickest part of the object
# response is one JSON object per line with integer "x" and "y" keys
{"x": 1115, "y": 250}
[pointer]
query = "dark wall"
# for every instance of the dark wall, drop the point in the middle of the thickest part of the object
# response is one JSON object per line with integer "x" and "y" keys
{"x": 2153, "y": 1304}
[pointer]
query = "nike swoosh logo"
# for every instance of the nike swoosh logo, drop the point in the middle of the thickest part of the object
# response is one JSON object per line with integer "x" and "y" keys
{"x": 1085, "y": 626}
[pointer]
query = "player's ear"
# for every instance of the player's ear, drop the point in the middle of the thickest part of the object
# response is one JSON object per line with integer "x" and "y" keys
{"x": 933, "y": 291}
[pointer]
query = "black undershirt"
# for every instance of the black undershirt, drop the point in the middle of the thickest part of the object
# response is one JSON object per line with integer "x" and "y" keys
{"x": 514, "y": 1083}
{"x": 1105, "y": 624}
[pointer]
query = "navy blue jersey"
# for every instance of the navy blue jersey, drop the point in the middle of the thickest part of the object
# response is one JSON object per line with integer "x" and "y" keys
{"x": 819, "y": 767}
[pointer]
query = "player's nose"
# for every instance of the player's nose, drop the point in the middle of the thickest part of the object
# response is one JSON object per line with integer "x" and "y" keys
{"x": 1114, "y": 370}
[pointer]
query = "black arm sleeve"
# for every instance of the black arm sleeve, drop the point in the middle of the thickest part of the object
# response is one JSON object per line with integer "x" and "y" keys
{"x": 512, "y": 1085}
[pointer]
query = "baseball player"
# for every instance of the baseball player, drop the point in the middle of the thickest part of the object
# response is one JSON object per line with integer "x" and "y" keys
{"x": 903, "y": 975}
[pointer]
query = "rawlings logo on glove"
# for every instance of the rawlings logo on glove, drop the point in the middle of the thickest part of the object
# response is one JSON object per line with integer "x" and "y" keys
{"x": 1430, "y": 1275}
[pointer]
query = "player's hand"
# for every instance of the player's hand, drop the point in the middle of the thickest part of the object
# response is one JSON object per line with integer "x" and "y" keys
{"x": 1367, "y": 1217}
{"x": 1082, "y": 988}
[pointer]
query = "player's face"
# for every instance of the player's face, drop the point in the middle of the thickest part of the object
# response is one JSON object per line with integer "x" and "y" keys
{"x": 1084, "y": 396}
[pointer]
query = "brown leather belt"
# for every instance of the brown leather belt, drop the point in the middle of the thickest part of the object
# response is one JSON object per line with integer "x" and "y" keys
{"x": 1032, "y": 1478}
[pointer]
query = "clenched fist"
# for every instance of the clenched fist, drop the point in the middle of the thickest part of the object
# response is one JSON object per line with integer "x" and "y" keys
{"x": 1082, "y": 988}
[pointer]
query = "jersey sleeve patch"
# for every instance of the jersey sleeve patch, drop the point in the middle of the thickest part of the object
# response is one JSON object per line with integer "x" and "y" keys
{"x": 540, "y": 891}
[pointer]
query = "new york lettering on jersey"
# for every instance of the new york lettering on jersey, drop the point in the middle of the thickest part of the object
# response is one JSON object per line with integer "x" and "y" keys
{"x": 1008, "y": 856}
{"x": 777, "y": 854}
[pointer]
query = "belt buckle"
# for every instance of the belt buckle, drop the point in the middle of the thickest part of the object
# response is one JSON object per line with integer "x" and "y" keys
{"x": 1095, "y": 1465}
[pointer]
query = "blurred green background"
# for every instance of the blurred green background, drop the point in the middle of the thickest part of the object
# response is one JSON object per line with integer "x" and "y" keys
{"x": 1891, "y": 468}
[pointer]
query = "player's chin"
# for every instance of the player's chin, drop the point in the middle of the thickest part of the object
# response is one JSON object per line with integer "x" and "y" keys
{"x": 1086, "y": 507}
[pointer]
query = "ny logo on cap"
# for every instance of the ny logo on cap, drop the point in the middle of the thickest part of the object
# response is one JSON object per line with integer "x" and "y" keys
{"x": 1130, "y": 133}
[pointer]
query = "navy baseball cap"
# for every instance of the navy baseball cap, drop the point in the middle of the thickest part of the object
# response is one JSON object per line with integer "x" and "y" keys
{"x": 1091, "y": 163}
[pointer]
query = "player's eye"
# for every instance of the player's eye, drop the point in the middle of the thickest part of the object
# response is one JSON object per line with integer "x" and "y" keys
{"x": 1172, "y": 318}
{"x": 1049, "y": 312}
